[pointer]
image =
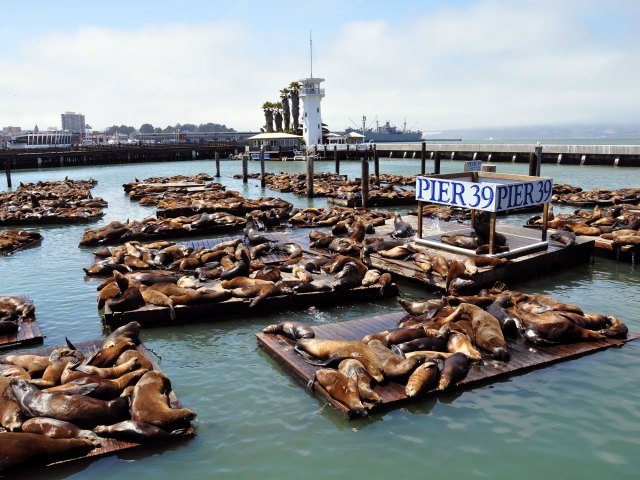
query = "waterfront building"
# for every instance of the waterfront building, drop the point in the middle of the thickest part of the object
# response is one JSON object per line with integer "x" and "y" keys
{"x": 276, "y": 143}
{"x": 73, "y": 122}
{"x": 193, "y": 137}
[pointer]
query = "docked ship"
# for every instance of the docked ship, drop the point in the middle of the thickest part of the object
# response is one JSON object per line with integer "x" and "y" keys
{"x": 388, "y": 133}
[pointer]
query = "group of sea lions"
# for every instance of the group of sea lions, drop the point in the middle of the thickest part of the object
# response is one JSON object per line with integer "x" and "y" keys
{"x": 66, "y": 200}
{"x": 63, "y": 405}
{"x": 445, "y": 213}
{"x": 14, "y": 311}
{"x": 13, "y": 240}
{"x": 602, "y": 196}
{"x": 214, "y": 201}
{"x": 619, "y": 223}
{"x": 158, "y": 228}
{"x": 478, "y": 240}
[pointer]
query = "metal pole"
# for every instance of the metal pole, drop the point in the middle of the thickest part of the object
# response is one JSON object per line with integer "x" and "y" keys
{"x": 7, "y": 167}
{"x": 309, "y": 175}
{"x": 365, "y": 182}
{"x": 217, "y": 157}
{"x": 336, "y": 159}
{"x": 423, "y": 158}
{"x": 262, "y": 179}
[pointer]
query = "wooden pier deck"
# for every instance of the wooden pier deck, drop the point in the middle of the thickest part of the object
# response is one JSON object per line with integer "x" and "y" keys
{"x": 524, "y": 357}
{"x": 28, "y": 333}
{"x": 152, "y": 316}
{"x": 110, "y": 445}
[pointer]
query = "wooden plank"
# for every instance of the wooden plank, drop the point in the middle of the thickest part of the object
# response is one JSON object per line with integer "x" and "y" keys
{"x": 109, "y": 445}
{"x": 524, "y": 357}
{"x": 28, "y": 333}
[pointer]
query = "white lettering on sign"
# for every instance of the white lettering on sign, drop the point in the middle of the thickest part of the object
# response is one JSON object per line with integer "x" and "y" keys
{"x": 473, "y": 166}
{"x": 490, "y": 197}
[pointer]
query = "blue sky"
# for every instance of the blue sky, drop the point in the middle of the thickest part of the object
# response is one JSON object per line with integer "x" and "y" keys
{"x": 440, "y": 65}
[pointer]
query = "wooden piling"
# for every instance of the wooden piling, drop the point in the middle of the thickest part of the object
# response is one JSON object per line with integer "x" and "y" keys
{"x": 436, "y": 163}
{"x": 538, "y": 151}
{"x": 245, "y": 167}
{"x": 309, "y": 175}
{"x": 217, "y": 157}
{"x": 365, "y": 182}
{"x": 376, "y": 164}
{"x": 7, "y": 168}
{"x": 262, "y": 179}
{"x": 423, "y": 158}
{"x": 336, "y": 159}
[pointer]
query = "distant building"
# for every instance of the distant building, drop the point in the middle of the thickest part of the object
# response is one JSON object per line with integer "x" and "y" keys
{"x": 73, "y": 122}
{"x": 277, "y": 142}
{"x": 7, "y": 130}
{"x": 193, "y": 137}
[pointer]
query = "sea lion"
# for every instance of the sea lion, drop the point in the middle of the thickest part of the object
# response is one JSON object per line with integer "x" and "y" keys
{"x": 10, "y": 371}
{"x": 33, "y": 364}
{"x": 150, "y": 403}
{"x": 198, "y": 297}
{"x": 335, "y": 350}
{"x": 427, "y": 308}
{"x": 251, "y": 232}
{"x": 437, "y": 344}
{"x": 455, "y": 369}
{"x": 398, "y": 335}
{"x": 400, "y": 252}
{"x": 154, "y": 297}
{"x": 341, "y": 388}
{"x": 484, "y": 249}
{"x": 30, "y": 449}
{"x": 85, "y": 412}
{"x": 395, "y": 367}
{"x": 386, "y": 284}
{"x": 239, "y": 282}
{"x": 105, "y": 388}
{"x": 130, "y": 299}
{"x": 371, "y": 278}
{"x": 428, "y": 355}
{"x": 73, "y": 370}
{"x": 487, "y": 333}
{"x": 509, "y": 324}
{"x": 401, "y": 229}
{"x": 460, "y": 342}
{"x": 422, "y": 379}
{"x": 142, "y": 361}
{"x": 552, "y": 327}
{"x": 269, "y": 273}
{"x": 462, "y": 241}
{"x": 138, "y": 432}
{"x": 563, "y": 236}
{"x": 130, "y": 331}
{"x": 260, "y": 292}
{"x": 352, "y": 368}
{"x": 340, "y": 261}
{"x": 293, "y": 330}
{"x": 108, "y": 354}
{"x": 302, "y": 274}
{"x": 53, "y": 428}
{"x": 349, "y": 277}
{"x": 11, "y": 416}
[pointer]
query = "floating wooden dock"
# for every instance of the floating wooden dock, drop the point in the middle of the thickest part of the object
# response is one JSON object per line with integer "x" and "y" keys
{"x": 524, "y": 357}
{"x": 24, "y": 246}
{"x": 109, "y": 445}
{"x": 49, "y": 220}
{"x": 152, "y": 316}
{"x": 28, "y": 333}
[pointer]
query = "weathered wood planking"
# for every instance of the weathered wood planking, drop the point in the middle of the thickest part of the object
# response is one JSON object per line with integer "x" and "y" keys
{"x": 110, "y": 445}
{"x": 151, "y": 316}
{"x": 32, "y": 243}
{"x": 524, "y": 357}
{"x": 275, "y": 257}
{"x": 28, "y": 333}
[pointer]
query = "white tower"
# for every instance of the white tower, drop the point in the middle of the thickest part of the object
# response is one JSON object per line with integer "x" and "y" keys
{"x": 311, "y": 95}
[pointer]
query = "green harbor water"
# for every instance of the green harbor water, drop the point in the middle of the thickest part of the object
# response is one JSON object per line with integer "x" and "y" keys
{"x": 576, "y": 420}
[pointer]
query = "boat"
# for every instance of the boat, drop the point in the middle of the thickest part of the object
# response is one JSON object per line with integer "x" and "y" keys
{"x": 388, "y": 133}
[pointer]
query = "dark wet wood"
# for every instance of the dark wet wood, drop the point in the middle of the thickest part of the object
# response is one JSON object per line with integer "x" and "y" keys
{"x": 33, "y": 243}
{"x": 524, "y": 357}
{"x": 28, "y": 333}
{"x": 110, "y": 445}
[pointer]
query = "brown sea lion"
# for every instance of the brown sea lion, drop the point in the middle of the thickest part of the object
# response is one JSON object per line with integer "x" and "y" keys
{"x": 106, "y": 388}
{"x": 302, "y": 274}
{"x": 9, "y": 371}
{"x": 23, "y": 450}
{"x": 487, "y": 333}
{"x": 336, "y": 350}
{"x": 150, "y": 403}
{"x": 455, "y": 368}
{"x": 142, "y": 361}
{"x": 349, "y": 277}
{"x": 239, "y": 282}
{"x": 85, "y": 412}
{"x": 130, "y": 299}
{"x": 198, "y": 297}
{"x": 138, "y": 432}
{"x": 73, "y": 370}
{"x": 386, "y": 284}
{"x": 293, "y": 330}
{"x": 394, "y": 366}
{"x": 564, "y": 237}
{"x": 546, "y": 300}
{"x": 33, "y": 364}
{"x": 437, "y": 344}
{"x": 269, "y": 273}
{"x": 341, "y": 388}
{"x": 424, "y": 378}
{"x": 11, "y": 416}
{"x": 429, "y": 355}
{"x": 395, "y": 336}
{"x": 460, "y": 342}
{"x": 108, "y": 354}
{"x": 371, "y": 278}
{"x": 400, "y": 252}
{"x": 509, "y": 324}
{"x": 552, "y": 327}
{"x": 428, "y": 307}
{"x": 352, "y": 368}
{"x": 462, "y": 241}
{"x": 53, "y": 428}
{"x": 159, "y": 299}
{"x": 130, "y": 331}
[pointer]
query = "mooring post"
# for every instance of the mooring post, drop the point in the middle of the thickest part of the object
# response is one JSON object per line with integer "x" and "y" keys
{"x": 217, "y": 157}
{"x": 538, "y": 159}
{"x": 376, "y": 164}
{"x": 423, "y": 159}
{"x": 436, "y": 163}
{"x": 492, "y": 232}
{"x": 336, "y": 159}
{"x": 365, "y": 182}
{"x": 262, "y": 179}
{"x": 532, "y": 164}
{"x": 309, "y": 159}
{"x": 419, "y": 233}
{"x": 245, "y": 167}
{"x": 7, "y": 167}
{"x": 545, "y": 219}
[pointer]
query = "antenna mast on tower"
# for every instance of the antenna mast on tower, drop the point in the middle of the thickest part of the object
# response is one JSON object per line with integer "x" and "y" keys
{"x": 311, "y": 52}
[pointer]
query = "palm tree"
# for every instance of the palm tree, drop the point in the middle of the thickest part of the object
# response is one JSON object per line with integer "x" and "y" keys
{"x": 294, "y": 90}
{"x": 286, "y": 111}
{"x": 277, "y": 106}
{"x": 267, "y": 108}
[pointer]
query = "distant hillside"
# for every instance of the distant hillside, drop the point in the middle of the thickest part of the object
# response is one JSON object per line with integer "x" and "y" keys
{"x": 543, "y": 132}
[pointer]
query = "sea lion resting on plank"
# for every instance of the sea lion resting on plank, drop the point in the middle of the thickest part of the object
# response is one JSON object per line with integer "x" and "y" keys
{"x": 487, "y": 333}
{"x": 341, "y": 388}
{"x": 455, "y": 369}
{"x": 105, "y": 388}
{"x": 20, "y": 449}
{"x": 138, "y": 432}
{"x": 53, "y": 428}
{"x": 85, "y": 412}
{"x": 11, "y": 416}
{"x": 293, "y": 330}
{"x": 352, "y": 368}
{"x": 423, "y": 378}
{"x": 394, "y": 366}
{"x": 335, "y": 350}
{"x": 552, "y": 327}
{"x": 395, "y": 336}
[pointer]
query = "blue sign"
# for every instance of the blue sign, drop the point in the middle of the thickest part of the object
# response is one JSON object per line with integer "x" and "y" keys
{"x": 490, "y": 197}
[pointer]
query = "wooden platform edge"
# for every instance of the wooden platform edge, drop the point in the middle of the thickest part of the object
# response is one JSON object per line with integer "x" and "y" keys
{"x": 28, "y": 334}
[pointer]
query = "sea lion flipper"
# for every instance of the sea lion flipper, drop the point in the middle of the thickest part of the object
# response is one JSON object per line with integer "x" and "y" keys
{"x": 69, "y": 344}
{"x": 83, "y": 390}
